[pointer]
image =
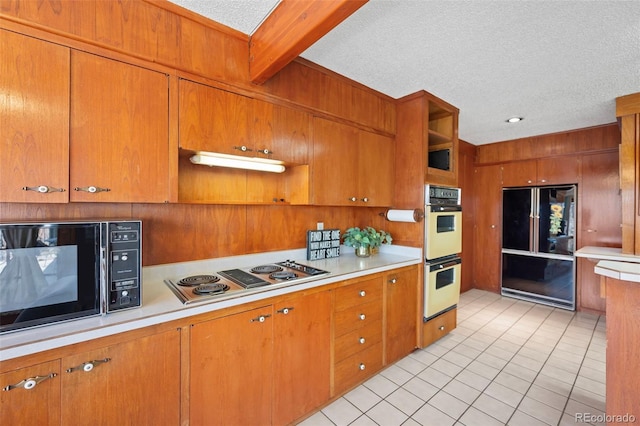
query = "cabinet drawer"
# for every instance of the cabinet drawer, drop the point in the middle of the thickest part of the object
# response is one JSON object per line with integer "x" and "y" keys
{"x": 357, "y": 317}
{"x": 358, "y": 293}
{"x": 357, "y": 368}
{"x": 358, "y": 340}
{"x": 438, "y": 327}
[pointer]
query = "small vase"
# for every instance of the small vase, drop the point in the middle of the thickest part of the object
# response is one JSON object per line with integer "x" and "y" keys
{"x": 363, "y": 251}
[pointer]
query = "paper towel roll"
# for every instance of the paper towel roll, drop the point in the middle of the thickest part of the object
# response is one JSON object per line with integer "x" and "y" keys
{"x": 404, "y": 215}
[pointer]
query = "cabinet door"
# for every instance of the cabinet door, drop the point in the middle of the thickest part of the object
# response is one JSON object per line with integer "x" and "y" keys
{"x": 302, "y": 356}
{"x": 119, "y": 131}
{"x": 291, "y": 132}
{"x": 376, "y": 164}
{"x": 212, "y": 120}
{"x": 34, "y": 120}
{"x": 401, "y": 313}
{"x": 488, "y": 205}
{"x": 558, "y": 170}
{"x": 519, "y": 173}
{"x": 335, "y": 163}
{"x": 599, "y": 218}
{"x": 231, "y": 369}
{"x": 31, "y": 405}
{"x": 132, "y": 383}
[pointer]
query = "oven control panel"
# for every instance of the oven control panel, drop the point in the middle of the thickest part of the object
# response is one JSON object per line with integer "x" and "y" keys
{"x": 442, "y": 195}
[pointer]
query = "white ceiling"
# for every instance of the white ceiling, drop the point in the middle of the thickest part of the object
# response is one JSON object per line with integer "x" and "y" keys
{"x": 560, "y": 64}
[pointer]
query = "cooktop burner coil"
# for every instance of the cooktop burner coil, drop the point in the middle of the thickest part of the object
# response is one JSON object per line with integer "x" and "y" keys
{"x": 210, "y": 289}
{"x": 266, "y": 269}
{"x": 283, "y": 276}
{"x": 197, "y": 280}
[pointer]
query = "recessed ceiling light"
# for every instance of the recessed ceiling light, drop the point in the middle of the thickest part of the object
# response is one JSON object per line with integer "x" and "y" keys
{"x": 514, "y": 119}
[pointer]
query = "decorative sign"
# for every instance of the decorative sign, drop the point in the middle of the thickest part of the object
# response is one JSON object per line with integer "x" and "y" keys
{"x": 323, "y": 244}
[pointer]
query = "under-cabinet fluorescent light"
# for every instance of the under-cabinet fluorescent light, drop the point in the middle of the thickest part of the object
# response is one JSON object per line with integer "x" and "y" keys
{"x": 238, "y": 162}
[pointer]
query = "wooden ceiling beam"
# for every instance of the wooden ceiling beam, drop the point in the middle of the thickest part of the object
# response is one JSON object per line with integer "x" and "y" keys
{"x": 290, "y": 29}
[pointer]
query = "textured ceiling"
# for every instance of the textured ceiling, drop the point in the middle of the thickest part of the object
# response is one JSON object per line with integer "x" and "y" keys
{"x": 559, "y": 64}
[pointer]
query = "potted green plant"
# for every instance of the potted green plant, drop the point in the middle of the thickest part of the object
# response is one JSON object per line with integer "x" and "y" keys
{"x": 363, "y": 240}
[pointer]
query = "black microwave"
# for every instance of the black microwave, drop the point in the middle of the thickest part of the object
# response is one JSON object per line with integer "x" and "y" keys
{"x": 66, "y": 270}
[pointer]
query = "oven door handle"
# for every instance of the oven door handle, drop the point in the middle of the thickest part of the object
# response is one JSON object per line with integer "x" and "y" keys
{"x": 445, "y": 265}
{"x": 445, "y": 208}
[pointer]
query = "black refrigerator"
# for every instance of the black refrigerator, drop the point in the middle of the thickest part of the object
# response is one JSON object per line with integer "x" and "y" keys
{"x": 538, "y": 240}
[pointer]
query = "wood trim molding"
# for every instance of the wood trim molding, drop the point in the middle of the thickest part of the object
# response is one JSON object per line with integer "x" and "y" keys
{"x": 629, "y": 104}
{"x": 291, "y": 28}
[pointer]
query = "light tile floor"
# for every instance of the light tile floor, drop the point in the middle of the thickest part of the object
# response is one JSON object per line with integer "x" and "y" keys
{"x": 508, "y": 362}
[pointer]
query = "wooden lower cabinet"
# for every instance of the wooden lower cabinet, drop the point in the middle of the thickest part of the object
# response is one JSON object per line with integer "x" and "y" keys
{"x": 401, "y": 313}
{"x": 623, "y": 352}
{"x": 358, "y": 310}
{"x": 269, "y": 365}
{"x": 438, "y": 327}
{"x": 131, "y": 383}
{"x": 31, "y": 405}
{"x": 135, "y": 382}
{"x": 302, "y": 358}
{"x": 230, "y": 370}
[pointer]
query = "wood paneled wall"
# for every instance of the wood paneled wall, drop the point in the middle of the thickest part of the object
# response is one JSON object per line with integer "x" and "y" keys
{"x": 183, "y": 232}
{"x": 586, "y": 140}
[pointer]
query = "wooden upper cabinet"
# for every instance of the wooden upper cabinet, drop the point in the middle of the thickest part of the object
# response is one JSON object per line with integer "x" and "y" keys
{"x": 38, "y": 405}
{"x": 34, "y": 120}
{"x": 215, "y": 120}
{"x": 351, "y": 167}
{"x": 119, "y": 131}
{"x": 547, "y": 171}
{"x": 441, "y": 141}
{"x": 212, "y": 120}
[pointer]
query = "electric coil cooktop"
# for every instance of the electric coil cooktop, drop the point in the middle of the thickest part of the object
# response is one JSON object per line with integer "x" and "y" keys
{"x": 198, "y": 288}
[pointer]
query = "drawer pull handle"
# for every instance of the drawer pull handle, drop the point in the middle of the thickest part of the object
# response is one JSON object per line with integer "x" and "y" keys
{"x": 362, "y": 317}
{"x": 265, "y": 151}
{"x": 363, "y": 293}
{"x": 87, "y": 366}
{"x": 261, "y": 318}
{"x": 441, "y": 328}
{"x": 284, "y": 311}
{"x": 362, "y": 367}
{"x": 43, "y": 189}
{"x": 91, "y": 189}
{"x": 354, "y": 199}
{"x": 365, "y": 199}
{"x": 362, "y": 340}
{"x": 29, "y": 383}
{"x": 242, "y": 148}
{"x": 393, "y": 281}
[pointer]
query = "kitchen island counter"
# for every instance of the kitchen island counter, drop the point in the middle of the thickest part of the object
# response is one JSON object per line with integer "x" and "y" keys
{"x": 160, "y": 304}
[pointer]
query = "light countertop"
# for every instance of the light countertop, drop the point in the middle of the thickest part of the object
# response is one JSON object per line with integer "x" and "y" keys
{"x": 623, "y": 271}
{"x": 606, "y": 253}
{"x": 159, "y": 304}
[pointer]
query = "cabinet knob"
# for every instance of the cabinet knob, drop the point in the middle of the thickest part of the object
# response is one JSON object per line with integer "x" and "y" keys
{"x": 265, "y": 151}
{"x": 362, "y": 366}
{"x": 91, "y": 189}
{"x": 592, "y": 230}
{"x": 284, "y": 311}
{"x": 529, "y": 181}
{"x": 441, "y": 328}
{"x": 393, "y": 280}
{"x": 361, "y": 340}
{"x": 362, "y": 317}
{"x": 365, "y": 199}
{"x": 87, "y": 366}
{"x": 543, "y": 180}
{"x": 493, "y": 227}
{"x": 261, "y": 318}
{"x": 363, "y": 293}
{"x": 242, "y": 148}
{"x": 29, "y": 383}
{"x": 43, "y": 189}
{"x": 354, "y": 199}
